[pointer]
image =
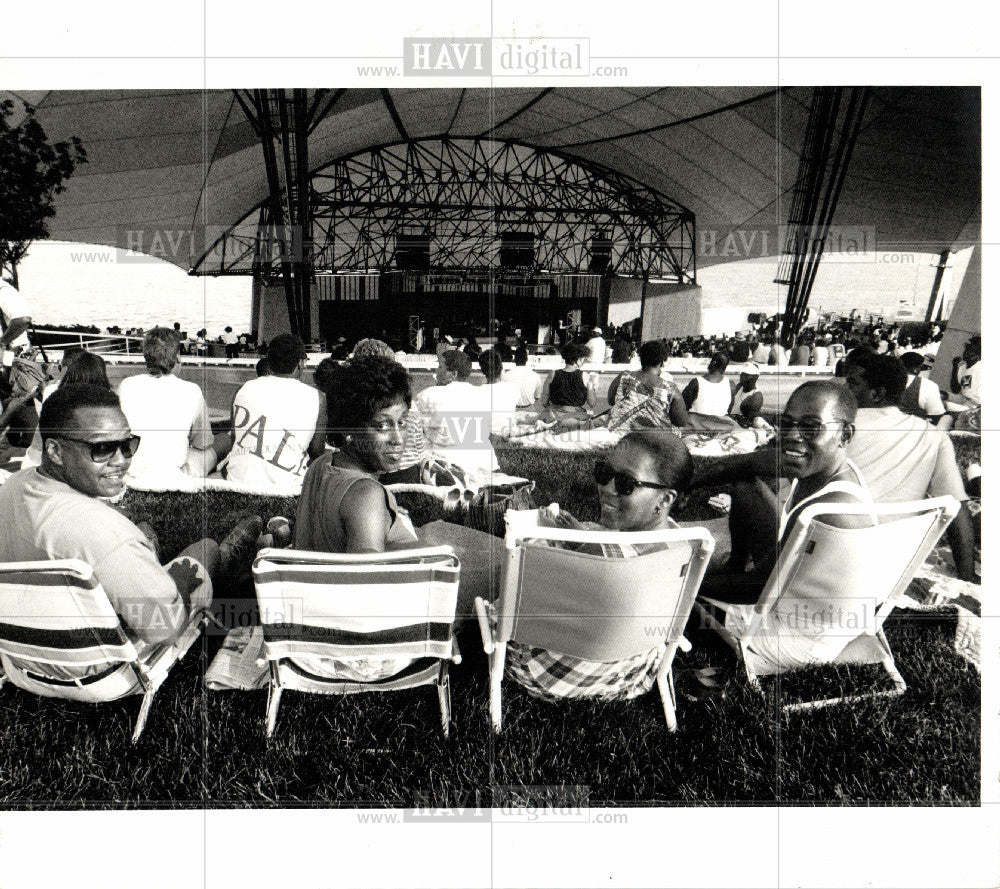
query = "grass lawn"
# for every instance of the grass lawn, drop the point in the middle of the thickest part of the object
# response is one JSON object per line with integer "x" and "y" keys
{"x": 208, "y": 749}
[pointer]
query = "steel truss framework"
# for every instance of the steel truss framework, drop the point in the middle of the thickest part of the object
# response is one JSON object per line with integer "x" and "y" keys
{"x": 461, "y": 195}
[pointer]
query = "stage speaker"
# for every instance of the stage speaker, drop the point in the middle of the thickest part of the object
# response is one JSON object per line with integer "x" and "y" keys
{"x": 600, "y": 254}
{"x": 517, "y": 250}
{"x": 413, "y": 253}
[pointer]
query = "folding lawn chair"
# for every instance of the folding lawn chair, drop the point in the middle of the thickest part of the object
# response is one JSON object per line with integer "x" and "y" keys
{"x": 56, "y": 614}
{"x": 831, "y": 591}
{"x": 369, "y": 606}
{"x": 593, "y": 607}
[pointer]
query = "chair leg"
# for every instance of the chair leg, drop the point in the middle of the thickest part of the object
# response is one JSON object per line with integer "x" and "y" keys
{"x": 665, "y": 683}
{"x": 497, "y": 660}
{"x": 140, "y": 721}
{"x": 273, "y": 702}
{"x": 444, "y": 699}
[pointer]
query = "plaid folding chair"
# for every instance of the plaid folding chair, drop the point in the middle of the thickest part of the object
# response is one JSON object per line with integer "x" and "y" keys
{"x": 594, "y": 607}
{"x": 358, "y": 608}
{"x": 56, "y": 614}
{"x": 831, "y": 591}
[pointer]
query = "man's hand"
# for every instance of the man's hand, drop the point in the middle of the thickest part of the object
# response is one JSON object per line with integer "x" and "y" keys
{"x": 185, "y": 575}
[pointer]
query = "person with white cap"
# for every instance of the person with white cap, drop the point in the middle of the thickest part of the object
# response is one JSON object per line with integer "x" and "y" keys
{"x": 747, "y": 400}
{"x": 597, "y": 346}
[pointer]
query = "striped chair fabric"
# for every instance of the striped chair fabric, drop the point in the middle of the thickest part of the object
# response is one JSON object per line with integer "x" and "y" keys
{"x": 383, "y": 605}
{"x": 56, "y": 618}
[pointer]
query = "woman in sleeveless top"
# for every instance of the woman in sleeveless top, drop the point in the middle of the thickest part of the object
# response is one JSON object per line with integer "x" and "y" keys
{"x": 343, "y": 507}
{"x": 567, "y": 391}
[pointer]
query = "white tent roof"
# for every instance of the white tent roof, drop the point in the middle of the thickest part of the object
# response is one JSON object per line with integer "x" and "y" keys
{"x": 173, "y": 159}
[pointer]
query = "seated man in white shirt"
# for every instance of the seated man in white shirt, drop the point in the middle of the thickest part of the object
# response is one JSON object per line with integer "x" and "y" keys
{"x": 902, "y": 457}
{"x": 529, "y": 384}
{"x": 499, "y": 398}
{"x": 710, "y": 394}
{"x": 169, "y": 415}
{"x": 456, "y": 418}
{"x": 278, "y": 422}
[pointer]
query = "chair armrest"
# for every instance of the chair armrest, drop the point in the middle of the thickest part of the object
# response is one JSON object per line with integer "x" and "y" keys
{"x": 683, "y": 644}
{"x": 485, "y": 630}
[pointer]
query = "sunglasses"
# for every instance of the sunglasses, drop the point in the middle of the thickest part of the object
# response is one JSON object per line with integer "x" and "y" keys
{"x": 102, "y": 451}
{"x": 810, "y": 428}
{"x": 625, "y": 484}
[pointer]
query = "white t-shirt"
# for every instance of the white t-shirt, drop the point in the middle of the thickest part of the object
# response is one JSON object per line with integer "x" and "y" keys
{"x": 713, "y": 398}
{"x": 170, "y": 415}
{"x": 501, "y": 400}
{"x": 457, "y": 421}
{"x": 598, "y": 346}
{"x": 13, "y": 305}
{"x": 274, "y": 420}
{"x": 529, "y": 384}
{"x": 928, "y": 396}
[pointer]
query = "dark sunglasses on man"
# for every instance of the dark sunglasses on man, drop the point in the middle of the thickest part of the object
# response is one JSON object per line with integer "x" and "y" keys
{"x": 810, "y": 428}
{"x": 625, "y": 484}
{"x": 103, "y": 451}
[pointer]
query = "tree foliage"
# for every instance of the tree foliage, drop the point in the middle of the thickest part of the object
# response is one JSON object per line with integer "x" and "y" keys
{"x": 32, "y": 172}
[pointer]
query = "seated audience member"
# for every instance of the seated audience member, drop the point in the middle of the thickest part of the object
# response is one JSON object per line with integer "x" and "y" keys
{"x": 740, "y": 352}
{"x": 710, "y": 394}
{"x": 168, "y": 414}
{"x": 569, "y": 390}
{"x": 814, "y": 431}
{"x": 343, "y": 507}
{"x": 529, "y": 384}
{"x": 416, "y": 448}
{"x": 800, "y": 353}
{"x": 922, "y": 396}
{"x": 820, "y": 355}
{"x": 762, "y": 353}
{"x": 648, "y": 398}
{"x": 277, "y": 422}
{"x": 499, "y": 398}
{"x": 597, "y": 346}
{"x": 81, "y": 369}
{"x": 637, "y": 485}
{"x": 454, "y": 417}
{"x": 622, "y": 348}
{"x": 777, "y": 356}
{"x": 747, "y": 400}
{"x": 966, "y": 374}
{"x": 55, "y": 511}
{"x": 903, "y": 457}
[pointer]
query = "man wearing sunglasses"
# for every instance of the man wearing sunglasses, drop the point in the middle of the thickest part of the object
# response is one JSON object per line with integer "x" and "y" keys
{"x": 56, "y": 511}
{"x": 815, "y": 428}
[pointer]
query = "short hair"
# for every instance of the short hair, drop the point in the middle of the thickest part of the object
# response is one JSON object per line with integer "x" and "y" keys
{"x": 912, "y": 361}
{"x": 59, "y": 408}
{"x": 491, "y": 364}
{"x": 262, "y": 368}
{"x": 458, "y": 363}
{"x": 325, "y": 373}
{"x": 86, "y": 369}
{"x": 284, "y": 353}
{"x": 370, "y": 346}
{"x": 160, "y": 348}
{"x": 719, "y": 360}
{"x": 674, "y": 464}
{"x": 573, "y": 352}
{"x": 845, "y": 405}
{"x": 886, "y": 372}
{"x": 653, "y": 354}
{"x": 520, "y": 356}
{"x": 362, "y": 388}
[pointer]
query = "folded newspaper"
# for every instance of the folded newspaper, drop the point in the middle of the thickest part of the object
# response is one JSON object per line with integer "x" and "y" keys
{"x": 240, "y": 662}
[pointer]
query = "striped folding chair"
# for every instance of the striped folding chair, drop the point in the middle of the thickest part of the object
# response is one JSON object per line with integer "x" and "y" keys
{"x": 55, "y": 618}
{"x": 366, "y": 610}
{"x": 593, "y": 607}
{"x": 831, "y": 590}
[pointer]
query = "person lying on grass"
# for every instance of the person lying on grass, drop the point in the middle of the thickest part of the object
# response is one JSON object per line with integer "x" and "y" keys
{"x": 637, "y": 484}
{"x": 55, "y": 511}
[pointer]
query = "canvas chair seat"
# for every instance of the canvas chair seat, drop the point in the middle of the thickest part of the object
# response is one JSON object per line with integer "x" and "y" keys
{"x": 55, "y": 618}
{"x": 373, "y": 608}
{"x": 832, "y": 589}
{"x": 592, "y": 607}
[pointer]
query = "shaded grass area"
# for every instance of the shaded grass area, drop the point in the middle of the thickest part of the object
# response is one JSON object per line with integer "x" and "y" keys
{"x": 204, "y": 748}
